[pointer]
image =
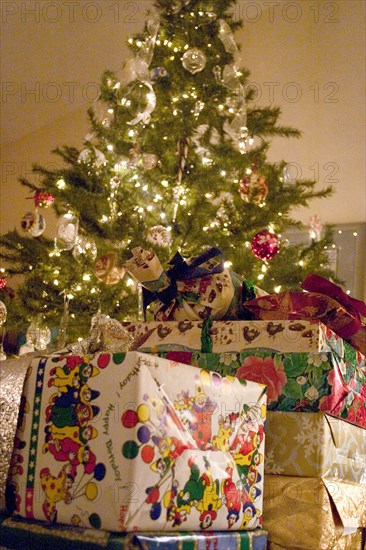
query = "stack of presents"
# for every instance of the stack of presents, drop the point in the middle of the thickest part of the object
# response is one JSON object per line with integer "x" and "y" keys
{"x": 234, "y": 419}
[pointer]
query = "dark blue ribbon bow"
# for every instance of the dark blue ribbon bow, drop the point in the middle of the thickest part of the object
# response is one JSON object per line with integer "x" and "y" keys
{"x": 180, "y": 271}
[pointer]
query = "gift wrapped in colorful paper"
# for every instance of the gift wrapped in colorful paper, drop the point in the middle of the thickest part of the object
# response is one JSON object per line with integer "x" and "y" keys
{"x": 195, "y": 289}
{"x": 232, "y": 336}
{"x": 132, "y": 442}
{"x": 322, "y": 300}
{"x": 298, "y": 382}
{"x": 32, "y": 535}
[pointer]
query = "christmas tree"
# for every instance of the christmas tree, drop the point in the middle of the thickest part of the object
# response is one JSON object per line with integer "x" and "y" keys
{"x": 176, "y": 160}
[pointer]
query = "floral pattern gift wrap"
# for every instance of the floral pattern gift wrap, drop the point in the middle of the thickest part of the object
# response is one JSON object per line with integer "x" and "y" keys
{"x": 307, "y": 382}
{"x": 132, "y": 442}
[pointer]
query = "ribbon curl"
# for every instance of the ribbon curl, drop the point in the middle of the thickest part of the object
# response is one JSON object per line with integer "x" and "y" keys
{"x": 236, "y": 129}
{"x": 137, "y": 68}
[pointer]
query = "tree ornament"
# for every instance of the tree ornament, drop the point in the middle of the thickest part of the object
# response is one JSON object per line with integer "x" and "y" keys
{"x": 3, "y": 313}
{"x": 67, "y": 231}
{"x": 34, "y": 223}
{"x": 94, "y": 156}
{"x": 160, "y": 236}
{"x": 43, "y": 199}
{"x": 84, "y": 248}
{"x": 316, "y": 228}
{"x": 3, "y": 279}
{"x": 149, "y": 161}
{"x": 177, "y": 5}
{"x": 253, "y": 188}
{"x": 265, "y": 245}
{"x": 158, "y": 73}
{"x": 121, "y": 166}
{"x": 290, "y": 174}
{"x": 38, "y": 336}
{"x": 107, "y": 270}
{"x": 194, "y": 60}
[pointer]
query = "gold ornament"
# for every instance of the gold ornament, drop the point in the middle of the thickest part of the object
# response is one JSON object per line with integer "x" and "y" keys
{"x": 107, "y": 269}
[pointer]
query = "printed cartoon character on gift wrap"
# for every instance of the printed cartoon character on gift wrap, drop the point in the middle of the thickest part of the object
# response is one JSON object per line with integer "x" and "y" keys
{"x": 168, "y": 421}
{"x": 170, "y": 447}
{"x": 69, "y": 434}
{"x": 252, "y": 517}
{"x": 233, "y": 496}
{"x": 245, "y": 445}
{"x": 211, "y": 502}
{"x": 181, "y": 501}
{"x": 72, "y": 407}
{"x": 197, "y": 411}
{"x": 74, "y": 373}
{"x": 56, "y": 489}
{"x": 226, "y": 428}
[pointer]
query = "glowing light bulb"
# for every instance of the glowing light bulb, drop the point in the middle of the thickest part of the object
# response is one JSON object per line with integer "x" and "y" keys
{"x": 60, "y": 184}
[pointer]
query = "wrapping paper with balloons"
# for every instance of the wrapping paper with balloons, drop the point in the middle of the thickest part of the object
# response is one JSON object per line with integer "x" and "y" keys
{"x": 131, "y": 442}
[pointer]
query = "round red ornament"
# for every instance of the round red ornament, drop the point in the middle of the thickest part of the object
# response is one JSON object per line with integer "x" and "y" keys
{"x": 265, "y": 245}
{"x": 43, "y": 199}
{"x": 3, "y": 280}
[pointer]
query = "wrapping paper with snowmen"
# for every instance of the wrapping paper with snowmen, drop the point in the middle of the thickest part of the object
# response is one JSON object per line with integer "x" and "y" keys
{"x": 129, "y": 441}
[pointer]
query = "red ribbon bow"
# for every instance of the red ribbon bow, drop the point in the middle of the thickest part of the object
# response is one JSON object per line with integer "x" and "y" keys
{"x": 315, "y": 283}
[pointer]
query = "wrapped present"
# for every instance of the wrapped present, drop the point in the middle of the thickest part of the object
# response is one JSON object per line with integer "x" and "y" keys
{"x": 190, "y": 290}
{"x": 315, "y": 445}
{"x": 312, "y": 513}
{"x": 12, "y": 377}
{"x": 323, "y": 301}
{"x": 233, "y": 336}
{"x": 129, "y": 441}
{"x": 20, "y": 533}
{"x": 356, "y": 541}
{"x": 300, "y": 382}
